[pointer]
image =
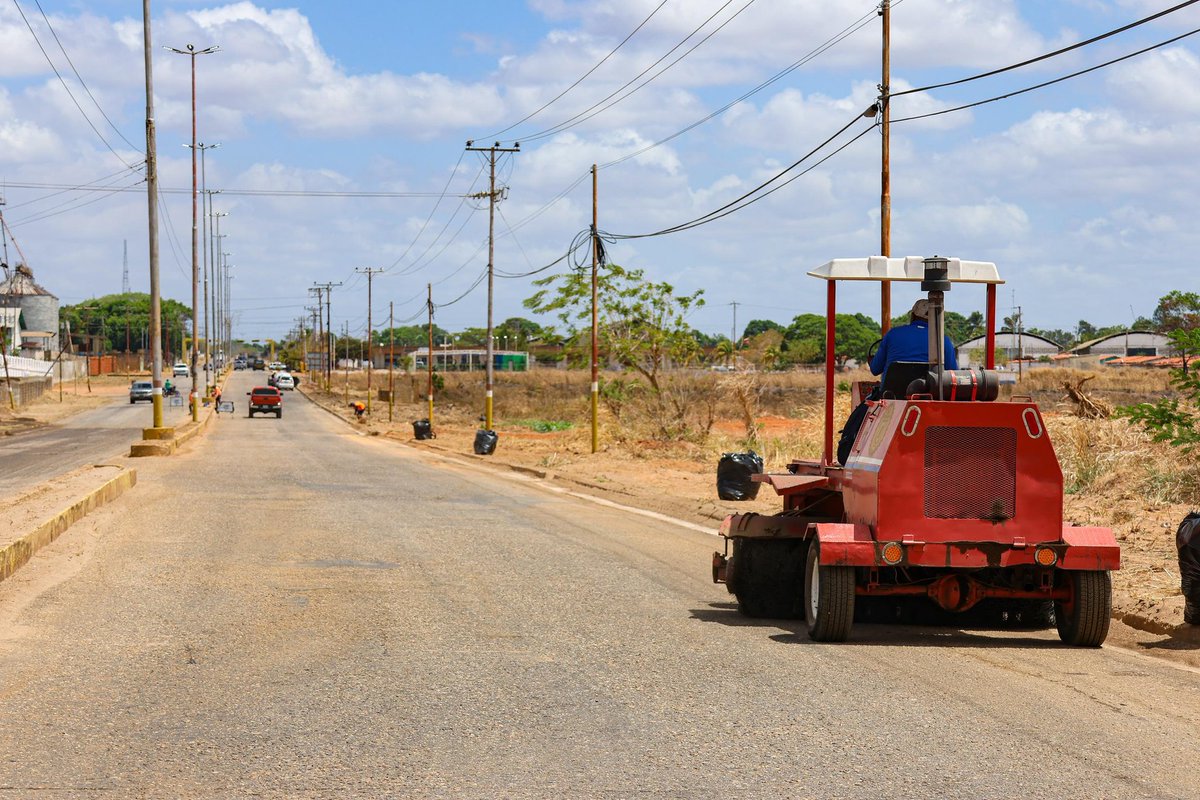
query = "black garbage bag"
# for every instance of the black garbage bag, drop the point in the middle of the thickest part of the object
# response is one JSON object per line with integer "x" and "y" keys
{"x": 485, "y": 442}
{"x": 1187, "y": 541}
{"x": 733, "y": 475}
{"x": 422, "y": 429}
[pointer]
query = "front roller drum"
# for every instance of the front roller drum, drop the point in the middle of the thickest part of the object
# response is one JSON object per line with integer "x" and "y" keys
{"x": 828, "y": 598}
{"x": 1083, "y": 618}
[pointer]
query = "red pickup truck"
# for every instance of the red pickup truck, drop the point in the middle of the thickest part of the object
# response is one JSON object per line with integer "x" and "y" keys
{"x": 265, "y": 400}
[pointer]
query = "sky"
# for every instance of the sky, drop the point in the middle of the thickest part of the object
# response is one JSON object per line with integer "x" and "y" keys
{"x": 342, "y": 129}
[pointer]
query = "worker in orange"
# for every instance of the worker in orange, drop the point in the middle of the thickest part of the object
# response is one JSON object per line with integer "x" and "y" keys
{"x": 217, "y": 398}
{"x": 359, "y": 407}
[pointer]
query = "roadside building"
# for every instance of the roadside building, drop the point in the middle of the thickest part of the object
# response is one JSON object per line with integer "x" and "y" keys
{"x": 10, "y": 329}
{"x": 39, "y": 312}
{"x": 1124, "y": 345}
{"x": 1009, "y": 346}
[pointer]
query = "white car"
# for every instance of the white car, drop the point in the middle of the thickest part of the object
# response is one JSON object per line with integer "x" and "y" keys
{"x": 277, "y": 365}
{"x": 179, "y": 370}
{"x": 284, "y": 381}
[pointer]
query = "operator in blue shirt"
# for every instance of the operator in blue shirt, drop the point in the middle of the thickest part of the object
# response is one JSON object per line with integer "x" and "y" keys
{"x": 910, "y": 342}
{"x": 903, "y": 343}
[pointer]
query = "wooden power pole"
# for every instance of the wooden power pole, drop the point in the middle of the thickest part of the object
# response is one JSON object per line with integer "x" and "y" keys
{"x": 885, "y": 190}
{"x": 370, "y": 273}
{"x": 491, "y": 196}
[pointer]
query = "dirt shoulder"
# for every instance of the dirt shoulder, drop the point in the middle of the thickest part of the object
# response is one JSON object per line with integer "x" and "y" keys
{"x": 679, "y": 480}
{"x": 55, "y": 405}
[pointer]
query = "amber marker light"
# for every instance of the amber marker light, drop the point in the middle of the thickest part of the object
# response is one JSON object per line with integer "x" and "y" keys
{"x": 1045, "y": 557}
{"x": 893, "y": 553}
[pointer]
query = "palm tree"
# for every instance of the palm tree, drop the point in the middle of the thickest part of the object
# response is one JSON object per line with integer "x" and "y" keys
{"x": 725, "y": 350}
{"x": 771, "y": 357}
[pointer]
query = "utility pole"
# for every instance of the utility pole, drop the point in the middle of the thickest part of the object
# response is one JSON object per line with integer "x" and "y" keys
{"x": 152, "y": 214}
{"x": 733, "y": 337}
{"x": 125, "y": 271}
{"x": 885, "y": 189}
{"x": 346, "y": 339}
{"x": 327, "y": 289}
{"x": 391, "y": 359}
{"x": 595, "y": 393}
{"x": 491, "y": 195}
{"x": 191, "y": 52}
{"x": 370, "y": 273}
{"x": 429, "y": 384}
{"x": 320, "y": 325}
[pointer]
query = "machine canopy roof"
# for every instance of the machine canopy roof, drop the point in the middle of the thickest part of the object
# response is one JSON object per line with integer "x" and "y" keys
{"x": 909, "y": 268}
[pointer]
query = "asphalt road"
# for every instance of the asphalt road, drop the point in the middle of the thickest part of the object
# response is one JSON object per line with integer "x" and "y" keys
{"x": 90, "y": 437}
{"x": 289, "y": 609}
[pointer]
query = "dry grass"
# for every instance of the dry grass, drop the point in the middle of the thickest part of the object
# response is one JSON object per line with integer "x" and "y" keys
{"x": 779, "y": 415}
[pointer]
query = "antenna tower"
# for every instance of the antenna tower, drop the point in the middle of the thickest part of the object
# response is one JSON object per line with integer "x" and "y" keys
{"x": 125, "y": 274}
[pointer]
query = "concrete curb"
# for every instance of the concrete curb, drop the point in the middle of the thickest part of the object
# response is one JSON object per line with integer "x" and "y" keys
{"x": 17, "y": 553}
{"x": 165, "y": 445}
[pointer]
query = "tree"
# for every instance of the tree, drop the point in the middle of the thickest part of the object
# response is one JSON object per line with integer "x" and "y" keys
{"x": 1177, "y": 311}
{"x": 1059, "y": 337}
{"x": 757, "y": 326}
{"x": 642, "y": 326}
{"x": 961, "y": 329}
{"x": 1166, "y": 419}
{"x": 1085, "y": 331}
{"x": 470, "y": 337}
{"x": 725, "y": 350}
{"x": 409, "y": 336}
{"x": 110, "y": 317}
{"x": 854, "y": 335}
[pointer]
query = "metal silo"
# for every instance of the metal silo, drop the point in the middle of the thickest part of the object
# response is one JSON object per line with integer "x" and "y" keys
{"x": 39, "y": 308}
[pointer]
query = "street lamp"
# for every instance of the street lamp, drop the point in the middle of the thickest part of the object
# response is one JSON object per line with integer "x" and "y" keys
{"x": 192, "y": 52}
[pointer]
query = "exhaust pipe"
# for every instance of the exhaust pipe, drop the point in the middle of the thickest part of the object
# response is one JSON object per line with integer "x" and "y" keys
{"x": 937, "y": 283}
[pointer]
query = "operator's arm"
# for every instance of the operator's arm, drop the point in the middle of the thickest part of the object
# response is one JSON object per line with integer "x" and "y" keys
{"x": 951, "y": 355}
{"x": 879, "y": 362}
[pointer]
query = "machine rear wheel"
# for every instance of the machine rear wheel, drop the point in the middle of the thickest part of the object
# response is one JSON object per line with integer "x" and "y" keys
{"x": 1083, "y": 618}
{"x": 764, "y": 576}
{"x": 828, "y": 598}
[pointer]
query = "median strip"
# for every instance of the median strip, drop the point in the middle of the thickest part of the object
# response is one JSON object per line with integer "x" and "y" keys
{"x": 65, "y": 490}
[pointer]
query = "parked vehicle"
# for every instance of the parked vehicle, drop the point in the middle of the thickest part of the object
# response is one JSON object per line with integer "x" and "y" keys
{"x": 266, "y": 400}
{"x": 141, "y": 390}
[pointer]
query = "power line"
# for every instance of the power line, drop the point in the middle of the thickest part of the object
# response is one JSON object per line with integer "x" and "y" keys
{"x": 67, "y": 88}
{"x": 591, "y": 111}
{"x": 1052, "y": 54}
{"x": 836, "y": 39}
{"x": 1044, "y": 84}
{"x": 432, "y": 211}
{"x": 249, "y": 192}
{"x": 738, "y": 204}
{"x": 580, "y": 80}
{"x": 79, "y": 77}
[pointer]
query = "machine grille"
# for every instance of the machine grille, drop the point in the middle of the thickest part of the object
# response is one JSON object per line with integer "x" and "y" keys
{"x": 970, "y": 473}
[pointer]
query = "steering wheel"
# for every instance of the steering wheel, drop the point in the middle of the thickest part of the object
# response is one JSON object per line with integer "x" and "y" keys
{"x": 872, "y": 348}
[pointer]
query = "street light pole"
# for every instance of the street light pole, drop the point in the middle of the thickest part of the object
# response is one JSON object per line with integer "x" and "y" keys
{"x": 205, "y": 212}
{"x": 191, "y": 52}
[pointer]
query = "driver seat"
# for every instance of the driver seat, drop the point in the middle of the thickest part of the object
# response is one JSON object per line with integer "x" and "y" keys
{"x": 898, "y": 375}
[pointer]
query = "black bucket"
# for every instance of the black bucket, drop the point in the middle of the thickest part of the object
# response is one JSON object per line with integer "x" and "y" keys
{"x": 422, "y": 429}
{"x": 485, "y": 442}
{"x": 734, "y": 472}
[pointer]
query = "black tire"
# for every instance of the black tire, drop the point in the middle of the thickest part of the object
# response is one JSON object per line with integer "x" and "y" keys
{"x": 1037, "y": 615}
{"x": 251, "y": 415}
{"x": 132, "y": 401}
{"x": 1083, "y": 619}
{"x": 766, "y": 576}
{"x": 828, "y": 598}
{"x": 279, "y": 414}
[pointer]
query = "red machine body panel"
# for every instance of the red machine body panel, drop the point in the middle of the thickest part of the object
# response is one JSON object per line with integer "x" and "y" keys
{"x": 955, "y": 471}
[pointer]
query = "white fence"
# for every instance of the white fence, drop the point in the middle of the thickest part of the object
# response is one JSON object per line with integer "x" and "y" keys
{"x": 19, "y": 367}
